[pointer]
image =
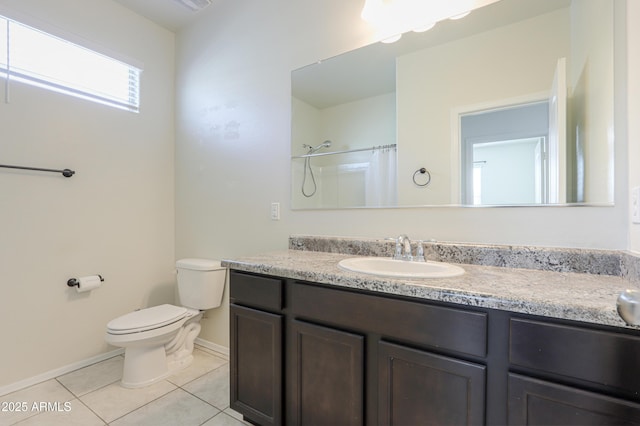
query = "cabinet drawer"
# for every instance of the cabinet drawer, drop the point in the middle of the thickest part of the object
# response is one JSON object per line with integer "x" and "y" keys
{"x": 257, "y": 291}
{"x": 602, "y": 357}
{"x": 441, "y": 327}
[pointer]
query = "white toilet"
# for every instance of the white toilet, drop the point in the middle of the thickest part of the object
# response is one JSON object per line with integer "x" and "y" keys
{"x": 159, "y": 340}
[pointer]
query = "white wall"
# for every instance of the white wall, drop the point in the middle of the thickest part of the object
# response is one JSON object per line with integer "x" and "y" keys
{"x": 363, "y": 123}
{"x": 633, "y": 96}
{"x": 233, "y": 135}
{"x": 591, "y": 82}
{"x": 115, "y": 217}
{"x": 435, "y": 83}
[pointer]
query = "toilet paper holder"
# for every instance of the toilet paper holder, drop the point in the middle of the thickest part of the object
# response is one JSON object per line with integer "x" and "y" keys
{"x": 73, "y": 282}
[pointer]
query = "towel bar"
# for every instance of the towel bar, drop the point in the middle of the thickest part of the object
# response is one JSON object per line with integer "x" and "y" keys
{"x": 66, "y": 172}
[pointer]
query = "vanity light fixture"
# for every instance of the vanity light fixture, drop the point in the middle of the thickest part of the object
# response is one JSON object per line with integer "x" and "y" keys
{"x": 194, "y": 5}
{"x": 460, "y": 16}
{"x": 391, "y": 39}
{"x": 392, "y": 18}
{"x": 425, "y": 27}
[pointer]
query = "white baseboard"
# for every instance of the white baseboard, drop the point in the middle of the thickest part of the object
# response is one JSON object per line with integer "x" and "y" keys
{"x": 219, "y": 349}
{"x": 52, "y": 374}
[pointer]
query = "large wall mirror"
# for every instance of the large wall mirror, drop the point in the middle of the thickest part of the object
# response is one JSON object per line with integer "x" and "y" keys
{"x": 511, "y": 105}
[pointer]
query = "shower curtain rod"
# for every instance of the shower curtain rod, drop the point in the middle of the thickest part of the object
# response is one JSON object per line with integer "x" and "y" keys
{"x": 371, "y": 148}
{"x": 66, "y": 172}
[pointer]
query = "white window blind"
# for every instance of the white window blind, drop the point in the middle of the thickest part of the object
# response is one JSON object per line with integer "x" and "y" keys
{"x": 40, "y": 59}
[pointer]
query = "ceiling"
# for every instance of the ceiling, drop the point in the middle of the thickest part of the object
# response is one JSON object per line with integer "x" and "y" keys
{"x": 171, "y": 14}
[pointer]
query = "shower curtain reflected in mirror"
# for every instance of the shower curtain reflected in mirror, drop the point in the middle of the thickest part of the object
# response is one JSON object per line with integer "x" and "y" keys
{"x": 381, "y": 178}
{"x": 361, "y": 177}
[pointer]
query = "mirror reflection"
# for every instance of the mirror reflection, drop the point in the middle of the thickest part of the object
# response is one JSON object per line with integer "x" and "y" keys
{"x": 511, "y": 105}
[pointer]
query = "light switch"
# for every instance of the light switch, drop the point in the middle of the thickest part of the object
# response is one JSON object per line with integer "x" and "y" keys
{"x": 275, "y": 211}
{"x": 635, "y": 205}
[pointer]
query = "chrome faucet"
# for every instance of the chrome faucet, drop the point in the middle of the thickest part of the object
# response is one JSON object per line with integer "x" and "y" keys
{"x": 403, "y": 248}
{"x": 420, "y": 252}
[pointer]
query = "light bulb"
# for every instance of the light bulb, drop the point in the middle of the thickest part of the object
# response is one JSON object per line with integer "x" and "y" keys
{"x": 460, "y": 16}
{"x": 423, "y": 28}
{"x": 392, "y": 39}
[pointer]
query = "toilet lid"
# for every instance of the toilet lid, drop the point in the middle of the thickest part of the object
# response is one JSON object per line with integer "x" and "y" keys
{"x": 143, "y": 319}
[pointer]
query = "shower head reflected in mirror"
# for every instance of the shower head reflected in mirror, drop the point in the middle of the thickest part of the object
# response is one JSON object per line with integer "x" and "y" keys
{"x": 308, "y": 170}
{"x": 325, "y": 144}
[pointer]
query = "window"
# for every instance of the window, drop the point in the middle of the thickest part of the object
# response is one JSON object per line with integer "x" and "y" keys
{"x": 40, "y": 59}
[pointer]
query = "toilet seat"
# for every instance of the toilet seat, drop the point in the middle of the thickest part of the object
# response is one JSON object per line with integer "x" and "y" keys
{"x": 147, "y": 319}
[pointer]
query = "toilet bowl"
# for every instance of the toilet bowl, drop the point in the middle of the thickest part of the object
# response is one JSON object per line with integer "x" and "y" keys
{"x": 158, "y": 341}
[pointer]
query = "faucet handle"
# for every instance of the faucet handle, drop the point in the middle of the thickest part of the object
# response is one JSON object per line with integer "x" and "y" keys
{"x": 397, "y": 255}
{"x": 419, "y": 252}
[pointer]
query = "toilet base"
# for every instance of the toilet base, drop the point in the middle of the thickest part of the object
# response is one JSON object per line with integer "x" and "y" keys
{"x": 179, "y": 351}
{"x": 144, "y": 366}
{"x": 146, "y": 363}
{"x": 179, "y": 364}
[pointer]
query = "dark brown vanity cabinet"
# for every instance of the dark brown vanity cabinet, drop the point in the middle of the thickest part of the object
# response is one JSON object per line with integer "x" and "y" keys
{"x": 417, "y": 387}
{"x": 305, "y": 354}
{"x": 539, "y": 402}
{"x": 256, "y": 357}
{"x": 327, "y": 376}
{"x": 311, "y": 354}
{"x": 570, "y": 374}
{"x": 404, "y": 382}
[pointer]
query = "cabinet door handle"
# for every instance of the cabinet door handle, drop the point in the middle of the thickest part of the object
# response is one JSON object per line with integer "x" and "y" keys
{"x": 629, "y": 306}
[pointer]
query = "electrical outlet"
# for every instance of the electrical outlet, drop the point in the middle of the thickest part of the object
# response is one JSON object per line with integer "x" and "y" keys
{"x": 275, "y": 211}
{"x": 635, "y": 205}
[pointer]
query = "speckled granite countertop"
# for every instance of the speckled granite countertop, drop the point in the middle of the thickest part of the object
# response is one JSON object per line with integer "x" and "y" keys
{"x": 568, "y": 295}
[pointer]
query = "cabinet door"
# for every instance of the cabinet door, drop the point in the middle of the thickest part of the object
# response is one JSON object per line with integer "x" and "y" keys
{"x": 256, "y": 365}
{"x": 420, "y": 388}
{"x": 327, "y": 386}
{"x": 536, "y": 402}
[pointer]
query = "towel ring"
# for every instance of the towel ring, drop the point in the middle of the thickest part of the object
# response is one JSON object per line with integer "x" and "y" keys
{"x": 422, "y": 171}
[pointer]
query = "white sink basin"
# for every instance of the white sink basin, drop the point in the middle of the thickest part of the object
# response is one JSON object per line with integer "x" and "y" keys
{"x": 385, "y": 267}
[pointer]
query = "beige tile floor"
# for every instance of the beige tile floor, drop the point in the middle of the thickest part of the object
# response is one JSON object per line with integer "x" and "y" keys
{"x": 197, "y": 395}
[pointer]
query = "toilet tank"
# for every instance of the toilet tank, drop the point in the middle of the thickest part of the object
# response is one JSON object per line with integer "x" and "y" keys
{"x": 200, "y": 283}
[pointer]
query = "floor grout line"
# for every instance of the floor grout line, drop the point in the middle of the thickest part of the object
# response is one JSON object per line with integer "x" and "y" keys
{"x": 81, "y": 383}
